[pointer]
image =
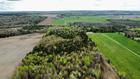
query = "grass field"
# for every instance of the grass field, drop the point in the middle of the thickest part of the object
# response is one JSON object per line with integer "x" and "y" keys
{"x": 138, "y": 29}
{"x": 135, "y": 19}
{"x": 66, "y": 20}
{"x": 123, "y": 52}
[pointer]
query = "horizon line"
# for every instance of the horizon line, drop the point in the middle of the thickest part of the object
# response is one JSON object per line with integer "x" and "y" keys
{"x": 59, "y": 10}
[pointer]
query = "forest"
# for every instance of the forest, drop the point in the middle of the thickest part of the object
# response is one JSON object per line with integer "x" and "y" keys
{"x": 18, "y": 25}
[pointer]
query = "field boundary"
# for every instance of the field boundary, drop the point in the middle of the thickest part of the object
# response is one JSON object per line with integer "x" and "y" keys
{"x": 121, "y": 45}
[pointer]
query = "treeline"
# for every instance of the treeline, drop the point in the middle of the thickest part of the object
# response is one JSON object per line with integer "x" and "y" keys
{"x": 97, "y": 13}
{"x": 125, "y": 22}
{"x": 23, "y": 30}
{"x": 19, "y": 21}
{"x": 114, "y": 25}
{"x": 11, "y": 32}
{"x": 18, "y": 25}
{"x": 132, "y": 34}
{"x": 99, "y": 27}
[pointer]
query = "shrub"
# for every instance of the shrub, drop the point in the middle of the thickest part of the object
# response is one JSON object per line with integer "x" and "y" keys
{"x": 67, "y": 32}
{"x": 87, "y": 60}
{"x": 54, "y": 44}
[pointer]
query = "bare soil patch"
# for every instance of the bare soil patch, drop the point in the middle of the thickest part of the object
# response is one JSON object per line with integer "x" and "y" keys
{"x": 47, "y": 21}
{"x": 12, "y": 50}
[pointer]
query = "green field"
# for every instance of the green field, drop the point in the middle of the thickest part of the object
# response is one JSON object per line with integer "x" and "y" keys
{"x": 135, "y": 19}
{"x": 123, "y": 52}
{"x": 138, "y": 29}
{"x": 71, "y": 19}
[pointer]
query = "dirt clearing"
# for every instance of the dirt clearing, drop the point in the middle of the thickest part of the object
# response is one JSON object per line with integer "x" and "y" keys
{"x": 12, "y": 50}
{"x": 47, "y": 21}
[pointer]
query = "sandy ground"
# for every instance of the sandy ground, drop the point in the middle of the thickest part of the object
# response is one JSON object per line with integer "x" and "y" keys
{"x": 12, "y": 50}
{"x": 47, "y": 21}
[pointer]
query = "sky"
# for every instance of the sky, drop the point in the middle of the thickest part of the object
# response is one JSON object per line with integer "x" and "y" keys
{"x": 58, "y": 5}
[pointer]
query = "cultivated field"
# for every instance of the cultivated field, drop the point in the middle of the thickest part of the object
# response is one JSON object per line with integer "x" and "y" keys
{"x": 12, "y": 50}
{"x": 135, "y": 19}
{"x": 71, "y": 19}
{"x": 123, "y": 52}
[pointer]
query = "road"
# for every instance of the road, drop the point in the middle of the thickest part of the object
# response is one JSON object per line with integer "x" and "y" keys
{"x": 12, "y": 50}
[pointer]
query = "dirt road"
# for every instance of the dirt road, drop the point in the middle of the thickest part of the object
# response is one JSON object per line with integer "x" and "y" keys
{"x": 12, "y": 50}
{"x": 47, "y": 21}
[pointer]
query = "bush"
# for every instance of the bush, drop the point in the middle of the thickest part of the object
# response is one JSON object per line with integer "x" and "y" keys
{"x": 54, "y": 44}
{"x": 67, "y": 32}
{"x": 63, "y": 39}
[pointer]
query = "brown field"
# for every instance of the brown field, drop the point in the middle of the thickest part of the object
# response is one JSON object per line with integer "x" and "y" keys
{"x": 47, "y": 21}
{"x": 12, "y": 50}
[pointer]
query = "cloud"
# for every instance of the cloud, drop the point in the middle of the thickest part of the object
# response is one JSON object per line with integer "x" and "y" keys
{"x": 50, "y": 5}
{"x": 4, "y": 5}
{"x": 13, "y": 0}
{"x": 7, "y": 4}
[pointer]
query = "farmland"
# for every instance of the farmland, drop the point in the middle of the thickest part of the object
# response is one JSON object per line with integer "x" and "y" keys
{"x": 71, "y": 19}
{"x": 135, "y": 19}
{"x": 123, "y": 52}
